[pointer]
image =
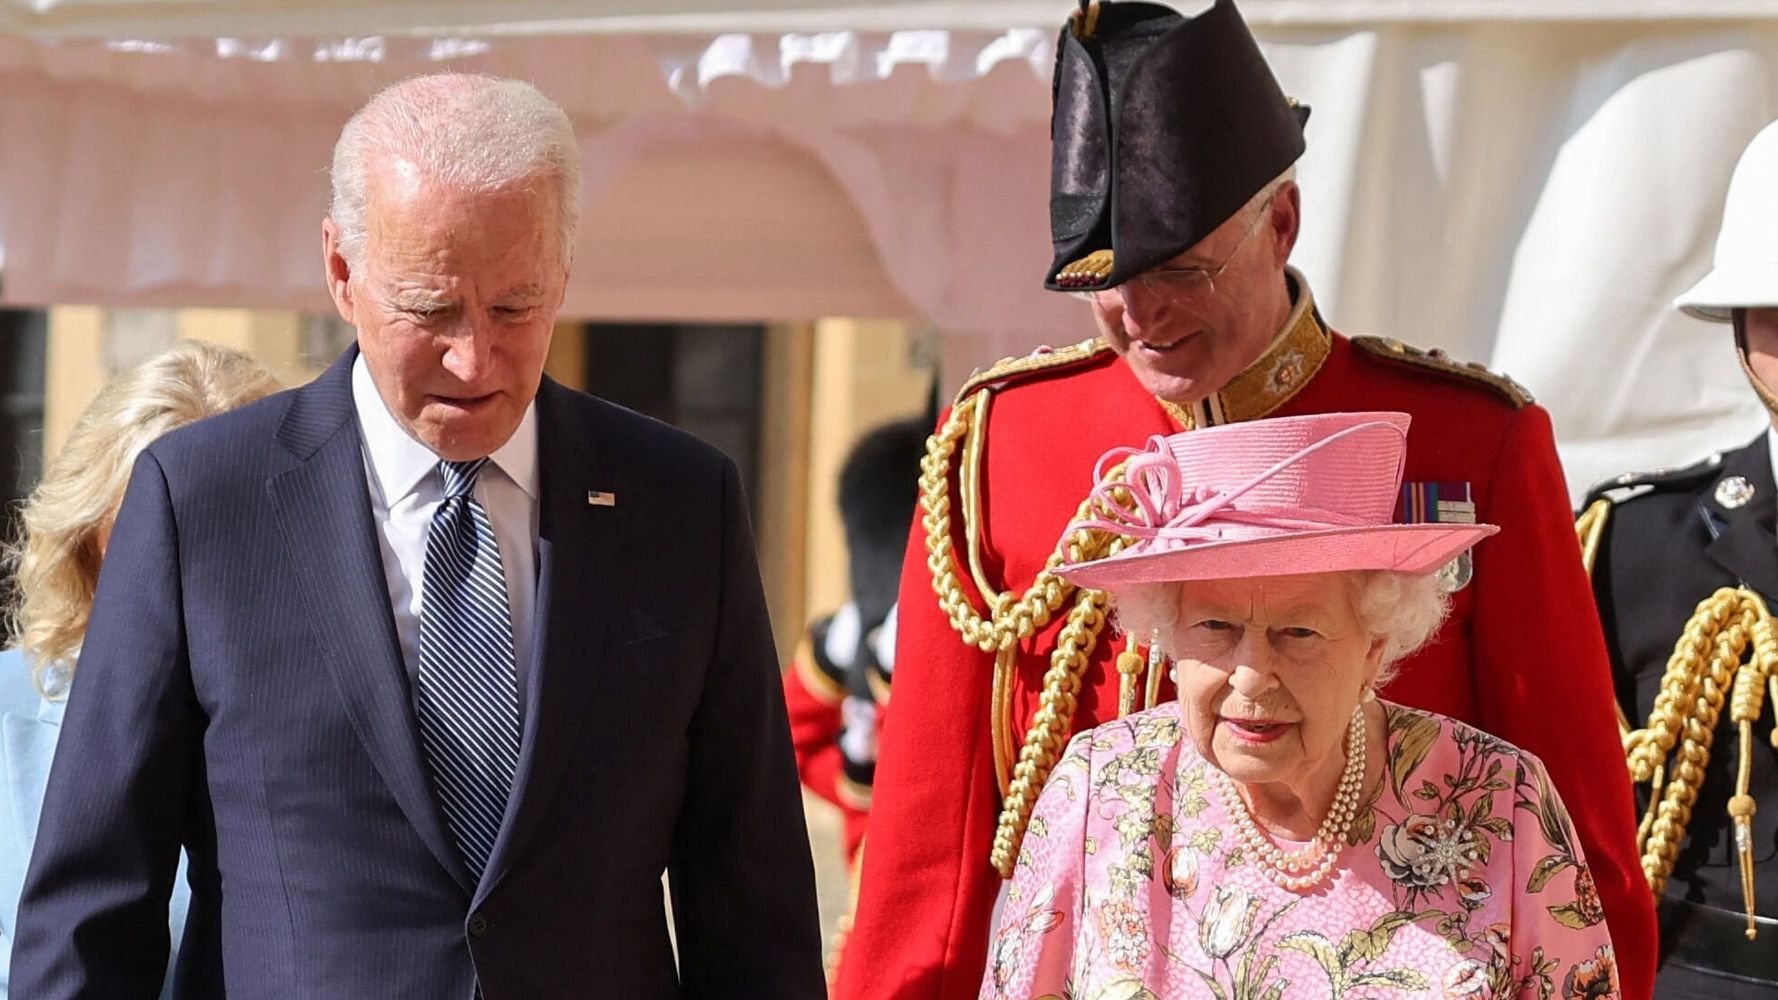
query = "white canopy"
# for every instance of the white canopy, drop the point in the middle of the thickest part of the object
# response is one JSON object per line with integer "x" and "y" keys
{"x": 1530, "y": 194}
{"x": 211, "y": 18}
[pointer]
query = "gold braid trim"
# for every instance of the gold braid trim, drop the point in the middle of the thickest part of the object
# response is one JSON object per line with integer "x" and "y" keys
{"x": 1389, "y": 349}
{"x": 1006, "y": 664}
{"x": 1590, "y": 528}
{"x": 1050, "y": 728}
{"x": 815, "y": 680}
{"x": 1744, "y": 710}
{"x": 1011, "y": 619}
{"x": 1130, "y": 664}
{"x": 1672, "y": 752}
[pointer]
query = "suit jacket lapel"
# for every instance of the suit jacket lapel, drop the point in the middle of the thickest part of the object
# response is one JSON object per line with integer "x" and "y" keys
{"x": 1747, "y": 546}
{"x": 577, "y": 556}
{"x": 323, "y": 507}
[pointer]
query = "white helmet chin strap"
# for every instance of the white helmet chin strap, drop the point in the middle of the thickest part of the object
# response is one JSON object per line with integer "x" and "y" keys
{"x": 1760, "y": 389}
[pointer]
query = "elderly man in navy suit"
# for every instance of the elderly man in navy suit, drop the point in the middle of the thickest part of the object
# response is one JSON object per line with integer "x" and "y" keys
{"x": 432, "y": 666}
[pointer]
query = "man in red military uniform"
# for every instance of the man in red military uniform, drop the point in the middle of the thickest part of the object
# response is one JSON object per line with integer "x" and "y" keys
{"x": 815, "y": 695}
{"x": 841, "y": 669}
{"x": 1174, "y": 210}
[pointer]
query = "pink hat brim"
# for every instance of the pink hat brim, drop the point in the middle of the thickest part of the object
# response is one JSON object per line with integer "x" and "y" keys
{"x": 1402, "y": 548}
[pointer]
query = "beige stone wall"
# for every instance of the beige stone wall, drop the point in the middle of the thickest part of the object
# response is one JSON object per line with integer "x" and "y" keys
{"x": 87, "y": 344}
{"x": 76, "y": 370}
{"x": 826, "y": 383}
{"x": 783, "y": 529}
{"x": 866, "y": 373}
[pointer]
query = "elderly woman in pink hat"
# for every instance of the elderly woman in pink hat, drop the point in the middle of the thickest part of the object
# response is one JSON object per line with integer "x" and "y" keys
{"x": 1279, "y": 831}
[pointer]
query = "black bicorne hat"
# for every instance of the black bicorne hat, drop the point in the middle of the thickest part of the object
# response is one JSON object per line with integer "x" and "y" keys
{"x": 1164, "y": 126}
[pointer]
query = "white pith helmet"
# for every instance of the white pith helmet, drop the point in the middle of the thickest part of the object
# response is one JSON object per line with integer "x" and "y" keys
{"x": 1745, "y": 272}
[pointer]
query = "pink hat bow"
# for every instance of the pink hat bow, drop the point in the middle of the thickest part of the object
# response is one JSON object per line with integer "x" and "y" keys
{"x": 1268, "y": 497}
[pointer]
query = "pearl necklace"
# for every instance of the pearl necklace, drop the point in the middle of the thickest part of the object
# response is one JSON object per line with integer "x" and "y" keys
{"x": 1301, "y": 870}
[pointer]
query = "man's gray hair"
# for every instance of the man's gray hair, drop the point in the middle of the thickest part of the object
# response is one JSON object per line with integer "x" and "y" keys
{"x": 1402, "y": 609}
{"x": 464, "y": 131}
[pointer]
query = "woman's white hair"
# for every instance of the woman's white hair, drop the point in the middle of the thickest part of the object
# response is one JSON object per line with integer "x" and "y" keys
{"x": 464, "y": 131}
{"x": 1403, "y": 609}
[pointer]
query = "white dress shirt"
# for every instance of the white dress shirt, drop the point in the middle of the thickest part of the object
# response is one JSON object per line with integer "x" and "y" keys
{"x": 405, "y": 490}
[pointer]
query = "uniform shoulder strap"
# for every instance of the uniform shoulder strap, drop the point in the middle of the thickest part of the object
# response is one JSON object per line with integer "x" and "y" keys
{"x": 1631, "y": 485}
{"x": 1043, "y": 361}
{"x": 1603, "y": 498}
{"x": 1394, "y": 351}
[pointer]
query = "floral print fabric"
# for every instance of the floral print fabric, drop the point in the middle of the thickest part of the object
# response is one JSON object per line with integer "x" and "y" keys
{"x": 1462, "y": 879}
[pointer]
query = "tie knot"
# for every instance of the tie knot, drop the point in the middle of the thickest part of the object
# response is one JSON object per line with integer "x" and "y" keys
{"x": 459, "y": 477}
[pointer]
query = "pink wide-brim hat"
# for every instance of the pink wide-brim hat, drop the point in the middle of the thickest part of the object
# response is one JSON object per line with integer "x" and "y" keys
{"x": 1276, "y": 497}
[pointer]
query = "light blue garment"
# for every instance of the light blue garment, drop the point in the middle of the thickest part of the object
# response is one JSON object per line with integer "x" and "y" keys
{"x": 29, "y": 725}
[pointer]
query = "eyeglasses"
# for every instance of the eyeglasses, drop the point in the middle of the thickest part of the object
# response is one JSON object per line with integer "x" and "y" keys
{"x": 1182, "y": 281}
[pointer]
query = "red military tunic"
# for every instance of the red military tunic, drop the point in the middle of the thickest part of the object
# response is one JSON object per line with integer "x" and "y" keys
{"x": 813, "y": 690}
{"x": 1521, "y": 655}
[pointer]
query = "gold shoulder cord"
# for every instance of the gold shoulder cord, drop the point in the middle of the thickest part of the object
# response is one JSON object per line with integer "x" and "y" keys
{"x": 1590, "y": 526}
{"x": 1010, "y": 619}
{"x": 1671, "y": 753}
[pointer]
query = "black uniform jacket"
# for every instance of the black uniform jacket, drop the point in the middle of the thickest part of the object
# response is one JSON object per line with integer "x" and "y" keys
{"x": 1671, "y": 541}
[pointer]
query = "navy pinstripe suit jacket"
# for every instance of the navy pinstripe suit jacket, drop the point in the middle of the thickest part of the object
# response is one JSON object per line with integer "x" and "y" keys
{"x": 241, "y": 693}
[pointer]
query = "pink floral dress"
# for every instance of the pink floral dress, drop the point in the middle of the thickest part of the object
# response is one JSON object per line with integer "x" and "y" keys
{"x": 1463, "y": 878}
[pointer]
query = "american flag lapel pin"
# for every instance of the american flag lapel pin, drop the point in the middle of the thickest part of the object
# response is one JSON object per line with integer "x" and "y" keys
{"x": 600, "y": 498}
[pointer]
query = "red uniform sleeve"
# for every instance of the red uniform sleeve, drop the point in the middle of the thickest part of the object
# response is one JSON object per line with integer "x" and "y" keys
{"x": 814, "y": 728}
{"x": 814, "y": 704}
{"x": 927, "y": 889}
{"x": 1543, "y": 680}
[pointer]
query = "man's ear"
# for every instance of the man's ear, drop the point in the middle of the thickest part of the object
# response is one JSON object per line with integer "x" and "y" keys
{"x": 1286, "y": 220}
{"x": 339, "y": 272}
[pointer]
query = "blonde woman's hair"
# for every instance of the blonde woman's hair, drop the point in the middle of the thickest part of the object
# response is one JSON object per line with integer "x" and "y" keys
{"x": 56, "y": 556}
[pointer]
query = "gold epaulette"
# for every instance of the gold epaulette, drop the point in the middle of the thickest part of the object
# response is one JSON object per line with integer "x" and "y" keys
{"x": 1389, "y": 349}
{"x": 1044, "y": 359}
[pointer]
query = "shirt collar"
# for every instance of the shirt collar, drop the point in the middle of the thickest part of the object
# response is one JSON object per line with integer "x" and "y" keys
{"x": 400, "y": 463}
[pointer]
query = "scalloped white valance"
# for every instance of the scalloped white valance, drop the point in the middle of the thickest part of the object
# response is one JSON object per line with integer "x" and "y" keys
{"x": 1529, "y": 195}
{"x": 159, "y": 19}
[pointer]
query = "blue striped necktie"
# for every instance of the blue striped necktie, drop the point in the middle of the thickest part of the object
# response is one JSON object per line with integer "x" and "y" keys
{"x": 468, "y": 677}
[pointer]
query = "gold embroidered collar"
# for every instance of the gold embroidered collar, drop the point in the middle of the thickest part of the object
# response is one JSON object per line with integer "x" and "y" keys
{"x": 1293, "y": 358}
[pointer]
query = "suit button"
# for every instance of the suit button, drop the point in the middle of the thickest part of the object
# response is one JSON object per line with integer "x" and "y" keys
{"x": 478, "y": 925}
